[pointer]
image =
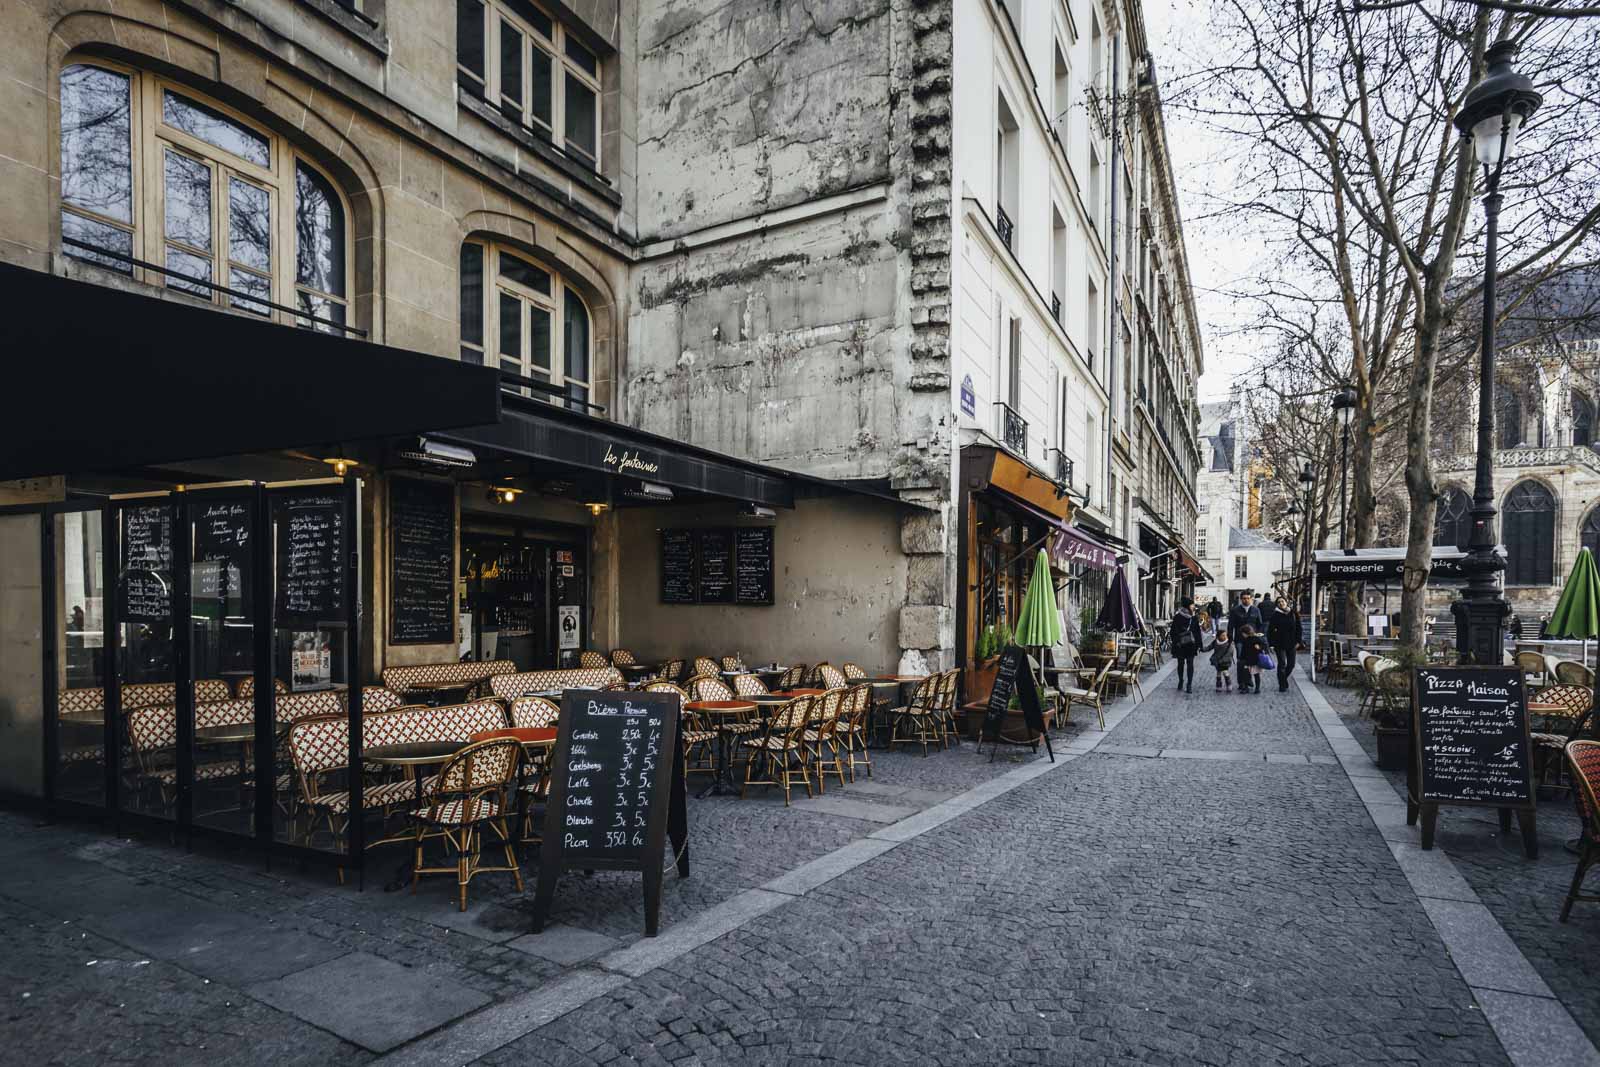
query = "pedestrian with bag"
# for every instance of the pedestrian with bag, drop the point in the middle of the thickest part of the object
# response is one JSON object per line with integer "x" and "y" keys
{"x": 1283, "y": 634}
{"x": 1184, "y": 637}
{"x": 1251, "y": 647}
{"x": 1244, "y": 613}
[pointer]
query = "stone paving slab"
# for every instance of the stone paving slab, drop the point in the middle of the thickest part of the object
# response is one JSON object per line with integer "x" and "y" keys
{"x": 563, "y": 944}
{"x": 1537, "y": 1030}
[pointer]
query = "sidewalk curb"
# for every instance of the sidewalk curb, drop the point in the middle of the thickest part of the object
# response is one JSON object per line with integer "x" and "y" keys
{"x": 1532, "y": 1025}
{"x": 494, "y": 1026}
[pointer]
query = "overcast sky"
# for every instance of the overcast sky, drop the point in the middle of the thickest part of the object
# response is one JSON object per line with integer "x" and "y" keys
{"x": 1220, "y": 257}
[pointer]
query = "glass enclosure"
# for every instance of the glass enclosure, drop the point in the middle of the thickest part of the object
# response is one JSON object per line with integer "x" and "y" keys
{"x": 79, "y": 622}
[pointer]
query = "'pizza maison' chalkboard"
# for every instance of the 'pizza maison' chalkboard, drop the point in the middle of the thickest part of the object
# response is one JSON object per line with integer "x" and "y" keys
{"x": 718, "y": 565}
{"x": 422, "y": 558}
{"x": 1471, "y": 736}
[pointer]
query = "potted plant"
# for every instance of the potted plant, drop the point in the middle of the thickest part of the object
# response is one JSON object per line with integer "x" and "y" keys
{"x": 986, "y": 664}
{"x": 1393, "y": 727}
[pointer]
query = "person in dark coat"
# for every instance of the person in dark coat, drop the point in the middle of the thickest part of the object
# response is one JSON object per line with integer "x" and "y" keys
{"x": 1185, "y": 638}
{"x": 1243, "y": 613}
{"x": 1250, "y": 646}
{"x": 1283, "y": 634}
{"x": 1214, "y": 609}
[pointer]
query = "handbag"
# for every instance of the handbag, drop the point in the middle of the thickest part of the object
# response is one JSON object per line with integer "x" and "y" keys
{"x": 1267, "y": 663}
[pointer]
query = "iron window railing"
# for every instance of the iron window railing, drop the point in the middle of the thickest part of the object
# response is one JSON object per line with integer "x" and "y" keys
{"x": 1003, "y": 225}
{"x": 1013, "y": 428}
{"x": 1055, "y": 307}
{"x": 1063, "y": 468}
{"x": 511, "y": 382}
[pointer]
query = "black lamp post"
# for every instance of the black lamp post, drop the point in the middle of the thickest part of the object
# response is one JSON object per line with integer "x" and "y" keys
{"x": 1308, "y": 481}
{"x": 1344, "y": 407}
{"x": 1491, "y": 115}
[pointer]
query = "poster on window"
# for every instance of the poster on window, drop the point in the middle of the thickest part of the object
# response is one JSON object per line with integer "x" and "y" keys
{"x": 567, "y": 625}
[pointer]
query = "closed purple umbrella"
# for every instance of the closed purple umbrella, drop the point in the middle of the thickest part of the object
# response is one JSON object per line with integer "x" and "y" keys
{"x": 1118, "y": 614}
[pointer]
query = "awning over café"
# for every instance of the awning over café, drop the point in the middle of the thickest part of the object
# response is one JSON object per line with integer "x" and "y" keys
{"x": 102, "y": 379}
{"x": 992, "y": 469}
{"x": 1075, "y": 547}
{"x": 1189, "y": 563}
{"x": 1387, "y": 564}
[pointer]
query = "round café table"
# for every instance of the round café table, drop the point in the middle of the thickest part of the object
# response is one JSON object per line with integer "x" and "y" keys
{"x": 721, "y": 782}
{"x": 412, "y": 755}
{"x": 242, "y": 734}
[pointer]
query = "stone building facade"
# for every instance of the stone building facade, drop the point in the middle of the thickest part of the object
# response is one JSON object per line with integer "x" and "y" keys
{"x": 769, "y": 230}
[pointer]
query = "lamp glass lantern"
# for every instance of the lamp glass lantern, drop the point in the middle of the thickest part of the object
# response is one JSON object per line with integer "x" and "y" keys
{"x": 1344, "y": 405}
{"x": 1497, "y": 108}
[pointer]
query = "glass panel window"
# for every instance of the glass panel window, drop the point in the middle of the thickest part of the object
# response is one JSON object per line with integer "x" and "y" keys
{"x": 191, "y": 266}
{"x": 510, "y": 332}
{"x": 539, "y": 341}
{"x": 510, "y": 71}
{"x": 542, "y": 105}
{"x": 518, "y": 270}
{"x": 249, "y": 224}
{"x": 582, "y": 57}
{"x": 318, "y": 233}
{"x": 540, "y": 22}
{"x": 253, "y": 284}
{"x": 214, "y": 128}
{"x": 576, "y": 340}
{"x": 580, "y": 117}
{"x": 469, "y": 40}
{"x": 472, "y": 295}
{"x": 96, "y": 145}
{"x": 188, "y": 200}
{"x": 101, "y": 235}
{"x": 548, "y": 338}
{"x": 323, "y": 308}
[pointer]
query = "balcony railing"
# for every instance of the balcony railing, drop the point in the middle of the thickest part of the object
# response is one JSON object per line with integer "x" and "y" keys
{"x": 1063, "y": 468}
{"x": 1003, "y": 225}
{"x": 1055, "y": 307}
{"x": 1013, "y": 429}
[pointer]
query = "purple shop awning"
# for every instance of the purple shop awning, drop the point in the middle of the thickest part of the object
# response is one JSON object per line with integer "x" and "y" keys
{"x": 1069, "y": 547}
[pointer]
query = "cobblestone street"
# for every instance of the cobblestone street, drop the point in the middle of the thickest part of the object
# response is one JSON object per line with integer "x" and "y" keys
{"x": 1201, "y": 884}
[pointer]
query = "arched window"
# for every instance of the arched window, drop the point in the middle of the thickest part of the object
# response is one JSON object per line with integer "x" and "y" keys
{"x": 1508, "y": 417}
{"x": 1589, "y": 534}
{"x": 164, "y": 186}
{"x": 538, "y": 326}
{"x": 1452, "y": 519}
{"x": 1528, "y": 530}
{"x": 1582, "y": 420}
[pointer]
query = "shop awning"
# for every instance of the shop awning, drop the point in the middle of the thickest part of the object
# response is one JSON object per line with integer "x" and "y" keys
{"x": 1074, "y": 547}
{"x": 1192, "y": 565}
{"x": 538, "y": 430}
{"x": 984, "y": 468}
{"x": 102, "y": 378}
{"x": 1386, "y": 564}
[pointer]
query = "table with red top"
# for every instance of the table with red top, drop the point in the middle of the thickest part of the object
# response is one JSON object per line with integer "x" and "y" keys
{"x": 722, "y": 782}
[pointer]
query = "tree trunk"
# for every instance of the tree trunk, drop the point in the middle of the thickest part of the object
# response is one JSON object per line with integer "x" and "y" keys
{"x": 1363, "y": 507}
{"x": 1420, "y": 492}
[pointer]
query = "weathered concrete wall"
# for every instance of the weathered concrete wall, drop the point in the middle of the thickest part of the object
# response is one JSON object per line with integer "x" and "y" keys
{"x": 838, "y": 587}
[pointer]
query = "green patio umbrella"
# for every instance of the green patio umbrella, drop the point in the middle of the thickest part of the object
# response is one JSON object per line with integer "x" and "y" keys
{"x": 1039, "y": 624}
{"x": 1577, "y": 613}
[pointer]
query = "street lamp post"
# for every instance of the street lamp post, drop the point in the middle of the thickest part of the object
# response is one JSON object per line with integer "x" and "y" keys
{"x": 1491, "y": 115}
{"x": 1308, "y": 481}
{"x": 1344, "y": 407}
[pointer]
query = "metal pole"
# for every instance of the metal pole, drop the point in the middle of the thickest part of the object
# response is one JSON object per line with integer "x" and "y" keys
{"x": 1481, "y": 612}
{"x": 1344, "y": 469}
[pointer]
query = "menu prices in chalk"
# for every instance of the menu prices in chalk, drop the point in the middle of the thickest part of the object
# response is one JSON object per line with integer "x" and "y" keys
{"x": 221, "y": 555}
{"x": 678, "y": 567}
{"x": 146, "y": 577}
{"x": 716, "y": 566}
{"x": 618, "y": 765}
{"x": 422, "y": 587}
{"x": 1471, "y": 736}
{"x": 753, "y": 564}
{"x": 310, "y": 549}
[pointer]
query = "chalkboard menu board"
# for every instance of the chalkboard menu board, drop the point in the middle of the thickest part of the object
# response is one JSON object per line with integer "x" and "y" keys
{"x": 616, "y": 791}
{"x": 146, "y": 579}
{"x": 422, "y": 557}
{"x": 1015, "y": 675}
{"x": 310, "y": 552}
{"x": 1471, "y": 728}
{"x": 222, "y": 565}
{"x": 679, "y": 570}
{"x": 716, "y": 566}
{"x": 753, "y": 565}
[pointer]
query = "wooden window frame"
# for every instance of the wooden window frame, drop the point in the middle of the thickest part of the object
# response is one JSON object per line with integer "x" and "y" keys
{"x": 494, "y": 283}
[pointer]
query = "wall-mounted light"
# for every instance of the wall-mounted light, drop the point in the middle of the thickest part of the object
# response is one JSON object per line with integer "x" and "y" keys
{"x": 504, "y": 494}
{"x": 756, "y": 511}
{"x": 341, "y": 463}
{"x": 596, "y": 508}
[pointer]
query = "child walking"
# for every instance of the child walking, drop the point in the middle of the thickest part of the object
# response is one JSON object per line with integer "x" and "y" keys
{"x": 1222, "y": 660}
{"x": 1249, "y": 648}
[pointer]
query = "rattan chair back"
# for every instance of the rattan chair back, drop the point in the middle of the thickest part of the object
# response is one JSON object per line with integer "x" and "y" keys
{"x": 733, "y": 663}
{"x": 748, "y": 685}
{"x": 477, "y": 777}
{"x": 709, "y": 687}
{"x": 1532, "y": 663}
{"x": 1571, "y": 672}
{"x": 621, "y": 657}
{"x": 670, "y": 671}
{"x": 590, "y": 658}
{"x": 852, "y": 671}
{"x": 792, "y": 676}
{"x": 829, "y": 677}
{"x": 534, "y": 713}
{"x": 705, "y": 665}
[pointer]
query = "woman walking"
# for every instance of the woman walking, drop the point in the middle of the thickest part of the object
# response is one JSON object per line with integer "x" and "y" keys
{"x": 1184, "y": 635}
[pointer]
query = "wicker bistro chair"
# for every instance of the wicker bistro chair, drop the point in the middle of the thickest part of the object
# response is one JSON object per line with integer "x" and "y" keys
{"x": 710, "y": 687}
{"x": 670, "y": 671}
{"x": 1128, "y": 677}
{"x": 534, "y": 713}
{"x": 1533, "y": 666}
{"x": 1394, "y": 686}
{"x": 821, "y": 738}
{"x": 468, "y": 795}
{"x": 621, "y": 657}
{"x": 919, "y": 722}
{"x": 588, "y": 658}
{"x": 791, "y": 678}
{"x": 779, "y": 751}
{"x": 705, "y": 665}
{"x": 1571, "y": 672}
{"x": 1370, "y": 696}
{"x": 733, "y": 663}
{"x": 750, "y": 685}
{"x": 853, "y": 671}
{"x": 1091, "y": 696}
{"x": 1583, "y": 763}
{"x": 949, "y": 698}
{"x": 699, "y": 739}
{"x": 851, "y": 730}
{"x": 1556, "y": 729}
{"x": 827, "y": 676}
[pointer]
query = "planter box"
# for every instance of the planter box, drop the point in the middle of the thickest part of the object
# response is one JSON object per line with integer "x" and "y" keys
{"x": 1394, "y": 748}
{"x": 978, "y": 679}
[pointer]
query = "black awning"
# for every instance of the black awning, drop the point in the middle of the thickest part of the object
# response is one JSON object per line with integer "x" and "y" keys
{"x": 535, "y": 429}
{"x": 104, "y": 379}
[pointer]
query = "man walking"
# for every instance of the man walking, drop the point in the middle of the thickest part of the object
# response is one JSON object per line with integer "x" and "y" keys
{"x": 1244, "y": 613}
{"x": 1214, "y": 609}
{"x": 1283, "y": 634}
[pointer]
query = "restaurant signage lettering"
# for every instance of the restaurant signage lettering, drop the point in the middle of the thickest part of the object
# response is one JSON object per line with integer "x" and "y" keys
{"x": 628, "y": 461}
{"x": 753, "y": 563}
{"x": 145, "y": 584}
{"x": 310, "y": 538}
{"x": 1469, "y": 733}
{"x": 1358, "y": 568}
{"x": 616, "y": 793}
{"x": 222, "y": 561}
{"x": 1015, "y": 676}
{"x": 718, "y": 565}
{"x": 1068, "y": 549}
{"x": 422, "y": 540}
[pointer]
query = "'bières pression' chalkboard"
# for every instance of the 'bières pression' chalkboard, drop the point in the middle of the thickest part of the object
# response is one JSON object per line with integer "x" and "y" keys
{"x": 422, "y": 557}
{"x": 1472, "y": 737}
{"x": 1015, "y": 675}
{"x": 311, "y": 550}
{"x": 716, "y": 566}
{"x": 616, "y": 791}
{"x": 753, "y": 578}
{"x": 679, "y": 571}
{"x": 145, "y": 585}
